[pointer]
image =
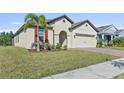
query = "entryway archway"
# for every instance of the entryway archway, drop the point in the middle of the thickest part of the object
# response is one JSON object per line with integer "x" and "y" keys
{"x": 63, "y": 38}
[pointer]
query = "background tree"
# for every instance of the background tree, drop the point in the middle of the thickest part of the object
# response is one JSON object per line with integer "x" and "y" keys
{"x": 6, "y": 38}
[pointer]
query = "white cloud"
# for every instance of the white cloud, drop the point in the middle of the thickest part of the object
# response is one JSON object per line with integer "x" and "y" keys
{"x": 16, "y": 23}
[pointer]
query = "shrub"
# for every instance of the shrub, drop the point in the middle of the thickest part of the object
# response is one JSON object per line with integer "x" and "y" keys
{"x": 109, "y": 45}
{"x": 42, "y": 46}
{"x": 119, "y": 42}
{"x": 101, "y": 43}
{"x": 65, "y": 47}
{"x": 34, "y": 45}
{"x": 58, "y": 46}
{"x": 53, "y": 47}
{"x": 48, "y": 46}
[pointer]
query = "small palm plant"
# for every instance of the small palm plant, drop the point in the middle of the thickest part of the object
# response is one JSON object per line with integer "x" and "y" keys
{"x": 102, "y": 43}
{"x": 32, "y": 19}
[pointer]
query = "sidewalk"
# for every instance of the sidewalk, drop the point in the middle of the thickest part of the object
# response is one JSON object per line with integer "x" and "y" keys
{"x": 99, "y": 71}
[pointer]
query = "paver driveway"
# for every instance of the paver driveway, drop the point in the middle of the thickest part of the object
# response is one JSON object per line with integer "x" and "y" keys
{"x": 105, "y": 70}
{"x": 108, "y": 51}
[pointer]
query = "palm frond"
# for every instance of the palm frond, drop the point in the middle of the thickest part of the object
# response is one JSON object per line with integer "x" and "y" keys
{"x": 29, "y": 24}
{"x": 31, "y": 17}
{"x": 42, "y": 20}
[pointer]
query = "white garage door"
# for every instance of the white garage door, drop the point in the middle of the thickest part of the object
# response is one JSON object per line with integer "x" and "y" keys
{"x": 83, "y": 41}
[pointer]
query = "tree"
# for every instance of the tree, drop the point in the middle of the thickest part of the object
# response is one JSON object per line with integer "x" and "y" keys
{"x": 11, "y": 34}
{"x": 32, "y": 19}
{"x": 6, "y": 38}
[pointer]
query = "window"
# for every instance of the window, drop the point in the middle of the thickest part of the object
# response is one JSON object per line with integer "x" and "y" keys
{"x": 41, "y": 35}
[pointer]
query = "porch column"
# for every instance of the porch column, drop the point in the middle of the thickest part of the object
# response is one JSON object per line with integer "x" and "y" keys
{"x": 103, "y": 36}
{"x": 111, "y": 38}
{"x": 54, "y": 38}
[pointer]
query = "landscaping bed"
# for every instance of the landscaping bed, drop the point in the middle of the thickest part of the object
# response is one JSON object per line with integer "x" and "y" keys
{"x": 117, "y": 43}
{"x": 20, "y": 63}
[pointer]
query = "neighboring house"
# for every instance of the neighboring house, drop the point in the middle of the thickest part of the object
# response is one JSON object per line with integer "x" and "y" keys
{"x": 121, "y": 33}
{"x": 60, "y": 30}
{"x": 107, "y": 32}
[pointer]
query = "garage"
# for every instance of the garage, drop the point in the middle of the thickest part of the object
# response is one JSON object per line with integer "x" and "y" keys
{"x": 84, "y": 40}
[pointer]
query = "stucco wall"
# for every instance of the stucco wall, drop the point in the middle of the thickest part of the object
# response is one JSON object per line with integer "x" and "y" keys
{"x": 86, "y": 41}
{"x": 50, "y": 36}
{"x": 26, "y": 38}
{"x": 59, "y": 26}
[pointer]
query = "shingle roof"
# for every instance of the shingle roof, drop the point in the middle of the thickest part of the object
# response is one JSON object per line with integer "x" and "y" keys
{"x": 19, "y": 30}
{"x": 76, "y": 24}
{"x": 48, "y": 20}
{"x": 120, "y": 31}
{"x": 60, "y": 17}
{"x": 101, "y": 28}
{"x": 82, "y": 22}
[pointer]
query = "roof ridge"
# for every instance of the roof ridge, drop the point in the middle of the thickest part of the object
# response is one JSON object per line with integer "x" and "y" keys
{"x": 81, "y": 22}
{"x": 56, "y": 18}
{"x": 105, "y": 25}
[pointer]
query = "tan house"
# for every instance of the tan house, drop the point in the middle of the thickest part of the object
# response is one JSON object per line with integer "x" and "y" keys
{"x": 60, "y": 30}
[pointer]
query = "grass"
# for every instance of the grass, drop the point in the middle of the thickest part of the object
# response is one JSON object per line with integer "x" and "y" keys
{"x": 19, "y": 63}
{"x": 117, "y": 48}
{"x": 121, "y": 76}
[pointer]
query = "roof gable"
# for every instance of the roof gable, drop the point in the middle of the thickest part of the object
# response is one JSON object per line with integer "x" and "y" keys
{"x": 59, "y": 18}
{"x": 101, "y": 28}
{"x": 108, "y": 29}
{"x": 76, "y": 25}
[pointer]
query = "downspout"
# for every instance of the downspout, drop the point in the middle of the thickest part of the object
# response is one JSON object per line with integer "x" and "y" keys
{"x": 71, "y": 39}
{"x": 53, "y": 38}
{"x": 38, "y": 46}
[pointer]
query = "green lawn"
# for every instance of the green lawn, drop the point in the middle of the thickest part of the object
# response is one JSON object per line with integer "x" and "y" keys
{"x": 19, "y": 63}
{"x": 121, "y": 76}
{"x": 117, "y": 48}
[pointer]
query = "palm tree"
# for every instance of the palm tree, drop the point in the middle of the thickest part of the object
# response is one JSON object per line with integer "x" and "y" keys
{"x": 32, "y": 19}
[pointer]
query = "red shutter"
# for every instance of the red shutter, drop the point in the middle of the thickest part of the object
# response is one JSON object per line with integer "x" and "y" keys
{"x": 46, "y": 36}
{"x": 35, "y": 35}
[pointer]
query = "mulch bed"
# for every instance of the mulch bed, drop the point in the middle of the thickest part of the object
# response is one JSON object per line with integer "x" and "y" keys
{"x": 52, "y": 50}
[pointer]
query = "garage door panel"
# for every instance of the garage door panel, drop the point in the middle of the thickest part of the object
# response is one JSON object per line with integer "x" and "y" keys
{"x": 83, "y": 41}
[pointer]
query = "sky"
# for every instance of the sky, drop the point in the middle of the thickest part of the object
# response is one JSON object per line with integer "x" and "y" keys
{"x": 13, "y": 21}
